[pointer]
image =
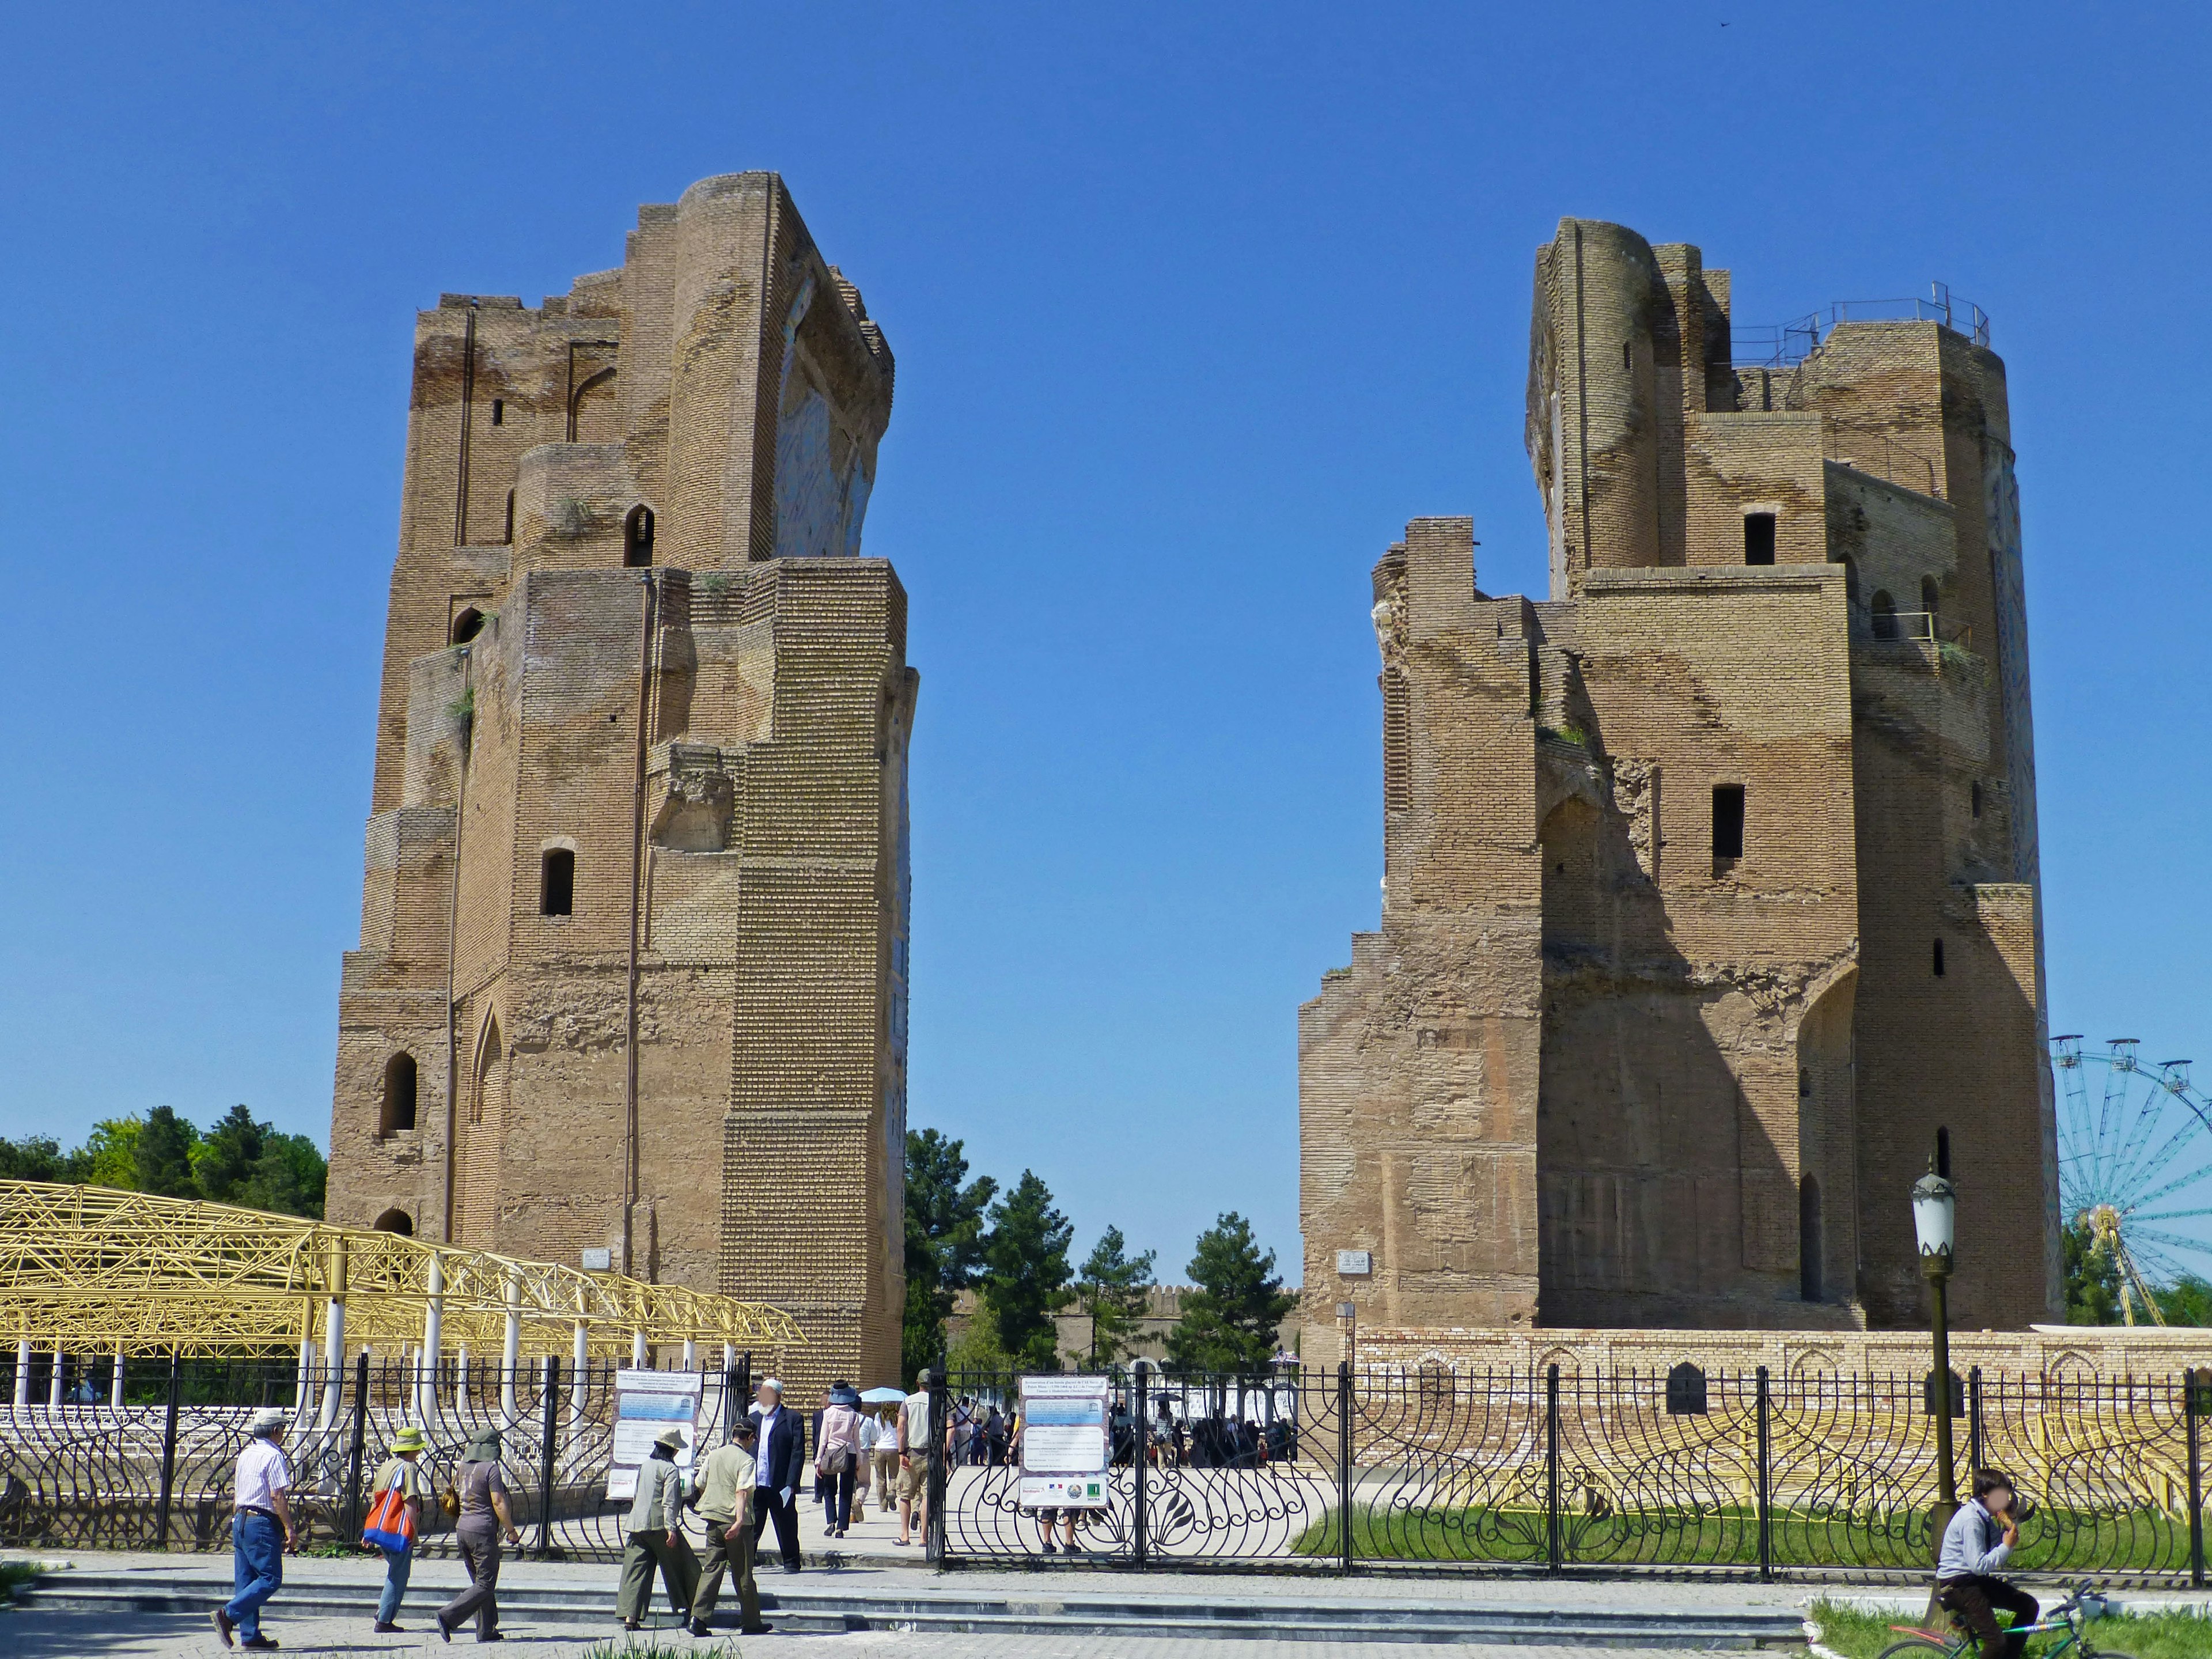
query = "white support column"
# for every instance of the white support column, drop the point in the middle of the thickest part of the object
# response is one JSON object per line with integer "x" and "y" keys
{"x": 115, "y": 1388}
{"x": 729, "y": 1356}
{"x": 303, "y": 1400}
{"x": 23, "y": 1372}
{"x": 54, "y": 1386}
{"x": 690, "y": 1354}
{"x": 333, "y": 1361}
{"x": 637, "y": 1350}
{"x": 578, "y": 1366}
{"x": 511, "y": 1358}
{"x": 426, "y": 1366}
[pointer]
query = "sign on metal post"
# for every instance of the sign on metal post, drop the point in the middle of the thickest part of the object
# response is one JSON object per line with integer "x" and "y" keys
{"x": 1067, "y": 1442}
{"x": 648, "y": 1404}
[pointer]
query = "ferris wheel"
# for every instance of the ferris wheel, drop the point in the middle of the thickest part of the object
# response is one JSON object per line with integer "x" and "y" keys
{"x": 2135, "y": 1165}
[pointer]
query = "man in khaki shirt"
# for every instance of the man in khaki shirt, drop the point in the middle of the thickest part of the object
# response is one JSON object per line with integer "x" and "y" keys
{"x": 725, "y": 1502}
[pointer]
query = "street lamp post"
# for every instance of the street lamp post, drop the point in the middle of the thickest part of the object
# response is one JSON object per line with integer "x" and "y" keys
{"x": 1934, "y": 1214}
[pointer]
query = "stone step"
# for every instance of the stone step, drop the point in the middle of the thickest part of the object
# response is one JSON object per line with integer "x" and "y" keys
{"x": 828, "y": 1608}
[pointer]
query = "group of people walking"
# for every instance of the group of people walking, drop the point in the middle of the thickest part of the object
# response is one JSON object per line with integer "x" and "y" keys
{"x": 739, "y": 1489}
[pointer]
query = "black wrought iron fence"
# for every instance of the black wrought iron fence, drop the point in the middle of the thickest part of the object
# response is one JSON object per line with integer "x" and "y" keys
{"x": 1503, "y": 1470}
{"x": 149, "y": 1465}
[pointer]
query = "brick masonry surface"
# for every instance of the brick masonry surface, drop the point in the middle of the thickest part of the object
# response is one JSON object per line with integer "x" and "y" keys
{"x": 1709, "y": 896}
{"x": 632, "y": 974}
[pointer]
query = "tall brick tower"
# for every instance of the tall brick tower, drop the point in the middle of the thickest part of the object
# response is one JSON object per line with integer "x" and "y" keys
{"x": 632, "y": 974}
{"x": 1710, "y": 910}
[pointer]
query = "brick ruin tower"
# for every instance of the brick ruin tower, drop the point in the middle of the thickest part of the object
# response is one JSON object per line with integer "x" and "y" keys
{"x": 631, "y": 989}
{"x": 1709, "y": 903}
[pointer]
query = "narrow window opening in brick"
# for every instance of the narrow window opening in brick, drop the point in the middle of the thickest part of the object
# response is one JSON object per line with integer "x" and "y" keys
{"x": 1804, "y": 1083}
{"x": 1929, "y": 596}
{"x": 467, "y": 625}
{"x": 498, "y": 411}
{"x": 399, "y": 1079}
{"x": 1974, "y": 794}
{"x": 556, "y": 891}
{"x": 1885, "y": 615}
{"x": 1939, "y": 958}
{"x": 1628, "y": 355}
{"x": 1759, "y": 538}
{"x": 1810, "y": 1287}
{"x": 508, "y": 536}
{"x": 1943, "y": 1153}
{"x": 396, "y": 1221}
{"x": 637, "y": 538}
{"x": 1728, "y": 821}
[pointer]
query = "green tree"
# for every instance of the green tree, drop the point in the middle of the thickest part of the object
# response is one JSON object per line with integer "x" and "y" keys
{"x": 2092, "y": 1280}
{"x": 164, "y": 1154}
{"x": 1026, "y": 1273}
{"x": 943, "y": 1240}
{"x": 1110, "y": 1290}
{"x": 110, "y": 1153}
{"x": 35, "y": 1157}
{"x": 2187, "y": 1301}
{"x": 289, "y": 1177}
{"x": 1229, "y": 1320}
{"x": 223, "y": 1160}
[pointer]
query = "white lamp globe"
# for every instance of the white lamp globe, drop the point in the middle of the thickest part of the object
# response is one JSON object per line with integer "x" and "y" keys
{"x": 1934, "y": 1208}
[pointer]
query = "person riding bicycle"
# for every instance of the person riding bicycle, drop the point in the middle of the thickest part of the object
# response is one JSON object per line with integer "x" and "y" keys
{"x": 1979, "y": 1540}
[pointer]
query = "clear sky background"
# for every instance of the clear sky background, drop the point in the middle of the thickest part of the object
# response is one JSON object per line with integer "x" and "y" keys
{"x": 1194, "y": 307}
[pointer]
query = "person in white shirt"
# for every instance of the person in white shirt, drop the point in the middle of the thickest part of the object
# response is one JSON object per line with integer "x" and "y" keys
{"x": 913, "y": 1461}
{"x": 258, "y": 1548}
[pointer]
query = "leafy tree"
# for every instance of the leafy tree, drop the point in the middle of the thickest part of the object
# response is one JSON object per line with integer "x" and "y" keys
{"x": 1229, "y": 1320}
{"x": 2187, "y": 1301}
{"x": 224, "y": 1160}
{"x": 164, "y": 1155}
{"x": 1110, "y": 1290}
{"x": 289, "y": 1177}
{"x": 943, "y": 1240}
{"x": 110, "y": 1153}
{"x": 35, "y": 1158}
{"x": 976, "y": 1348}
{"x": 1026, "y": 1273}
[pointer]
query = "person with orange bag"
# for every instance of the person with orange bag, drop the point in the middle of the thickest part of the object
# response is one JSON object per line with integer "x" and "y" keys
{"x": 395, "y": 1521}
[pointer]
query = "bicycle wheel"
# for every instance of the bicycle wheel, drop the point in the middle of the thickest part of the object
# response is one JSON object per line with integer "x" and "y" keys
{"x": 1915, "y": 1646}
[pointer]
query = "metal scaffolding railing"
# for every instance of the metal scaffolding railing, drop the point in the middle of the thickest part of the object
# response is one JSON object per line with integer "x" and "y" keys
{"x": 91, "y": 1270}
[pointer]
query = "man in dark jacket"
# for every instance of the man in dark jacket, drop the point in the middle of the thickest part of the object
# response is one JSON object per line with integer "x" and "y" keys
{"x": 780, "y": 1437}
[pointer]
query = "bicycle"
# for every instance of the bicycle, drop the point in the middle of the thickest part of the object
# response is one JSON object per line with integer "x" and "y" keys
{"x": 2074, "y": 1615}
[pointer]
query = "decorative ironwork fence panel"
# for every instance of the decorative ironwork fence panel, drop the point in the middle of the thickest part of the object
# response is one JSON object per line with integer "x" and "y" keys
{"x": 1435, "y": 1469}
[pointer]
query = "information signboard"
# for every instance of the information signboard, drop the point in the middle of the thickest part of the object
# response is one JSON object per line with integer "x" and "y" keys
{"x": 648, "y": 1404}
{"x": 1066, "y": 1442}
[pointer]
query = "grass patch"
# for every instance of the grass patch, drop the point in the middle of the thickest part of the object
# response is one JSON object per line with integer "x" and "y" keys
{"x": 645, "y": 1646}
{"x": 1857, "y": 1634}
{"x": 14, "y": 1574}
{"x": 2083, "y": 1544}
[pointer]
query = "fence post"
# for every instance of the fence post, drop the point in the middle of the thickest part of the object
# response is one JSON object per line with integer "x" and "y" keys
{"x": 1974, "y": 1459}
{"x": 2195, "y": 1396}
{"x": 1553, "y": 1559}
{"x": 933, "y": 1530}
{"x": 168, "y": 1452}
{"x": 548, "y": 1448}
{"x": 1766, "y": 1481}
{"x": 1140, "y": 1451}
{"x": 1344, "y": 1461}
{"x": 352, "y": 1529}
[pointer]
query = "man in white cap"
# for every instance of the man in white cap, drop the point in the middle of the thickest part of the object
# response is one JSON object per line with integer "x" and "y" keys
{"x": 256, "y": 1545}
{"x": 656, "y": 1538}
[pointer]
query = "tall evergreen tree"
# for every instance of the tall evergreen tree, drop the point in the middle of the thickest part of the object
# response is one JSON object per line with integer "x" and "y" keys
{"x": 1110, "y": 1290}
{"x": 164, "y": 1155}
{"x": 1229, "y": 1320}
{"x": 1026, "y": 1273}
{"x": 223, "y": 1162}
{"x": 943, "y": 1240}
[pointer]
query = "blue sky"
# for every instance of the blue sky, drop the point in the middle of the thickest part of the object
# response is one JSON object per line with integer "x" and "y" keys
{"x": 1193, "y": 306}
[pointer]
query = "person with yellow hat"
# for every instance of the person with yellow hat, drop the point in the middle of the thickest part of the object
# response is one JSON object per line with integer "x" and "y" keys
{"x": 401, "y": 1473}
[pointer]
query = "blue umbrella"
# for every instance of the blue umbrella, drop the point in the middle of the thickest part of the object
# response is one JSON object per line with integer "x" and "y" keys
{"x": 883, "y": 1396}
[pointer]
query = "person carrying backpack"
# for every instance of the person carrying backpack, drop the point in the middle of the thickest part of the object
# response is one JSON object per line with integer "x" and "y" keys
{"x": 395, "y": 1521}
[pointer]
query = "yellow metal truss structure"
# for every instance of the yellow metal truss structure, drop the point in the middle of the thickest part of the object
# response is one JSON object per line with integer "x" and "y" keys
{"x": 94, "y": 1270}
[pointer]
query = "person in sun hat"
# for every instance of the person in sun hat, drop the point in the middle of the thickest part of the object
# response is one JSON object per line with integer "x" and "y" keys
{"x": 656, "y": 1538}
{"x": 257, "y": 1546}
{"x": 401, "y": 1471}
{"x": 485, "y": 1515}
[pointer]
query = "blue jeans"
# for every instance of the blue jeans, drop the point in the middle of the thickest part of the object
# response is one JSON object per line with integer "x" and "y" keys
{"x": 398, "y": 1563}
{"x": 257, "y": 1548}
